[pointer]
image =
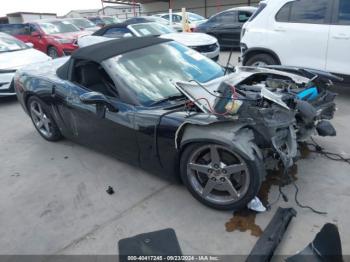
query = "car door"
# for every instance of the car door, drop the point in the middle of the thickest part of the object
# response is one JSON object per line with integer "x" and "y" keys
{"x": 299, "y": 33}
{"x": 227, "y": 29}
{"x": 338, "y": 56}
{"x": 106, "y": 129}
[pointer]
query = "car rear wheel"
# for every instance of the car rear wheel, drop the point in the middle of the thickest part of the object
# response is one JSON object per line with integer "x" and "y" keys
{"x": 42, "y": 120}
{"x": 261, "y": 60}
{"x": 219, "y": 177}
{"x": 52, "y": 52}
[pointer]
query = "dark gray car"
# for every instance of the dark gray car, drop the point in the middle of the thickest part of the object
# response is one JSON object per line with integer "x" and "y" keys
{"x": 226, "y": 26}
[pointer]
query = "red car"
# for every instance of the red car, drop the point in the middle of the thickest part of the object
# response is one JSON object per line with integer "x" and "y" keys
{"x": 54, "y": 37}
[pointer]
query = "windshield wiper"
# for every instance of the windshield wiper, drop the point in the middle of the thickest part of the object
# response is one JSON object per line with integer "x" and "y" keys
{"x": 169, "y": 98}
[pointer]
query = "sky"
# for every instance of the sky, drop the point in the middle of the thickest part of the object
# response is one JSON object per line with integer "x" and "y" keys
{"x": 61, "y": 7}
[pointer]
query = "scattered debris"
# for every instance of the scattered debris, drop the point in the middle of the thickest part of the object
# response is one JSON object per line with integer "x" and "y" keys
{"x": 158, "y": 243}
{"x": 272, "y": 236}
{"x": 326, "y": 247}
{"x": 256, "y": 205}
{"x": 110, "y": 190}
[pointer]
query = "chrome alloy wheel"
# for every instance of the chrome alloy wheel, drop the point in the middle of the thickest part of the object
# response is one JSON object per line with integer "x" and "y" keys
{"x": 40, "y": 119}
{"x": 218, "y": 175}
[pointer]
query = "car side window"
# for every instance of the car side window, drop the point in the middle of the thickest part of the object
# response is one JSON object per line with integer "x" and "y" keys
{"x": 92, "y": 76}
{"x": 177, "y": 18}
{"x": 14, "y": 29}
{"x": 117, "y": 32}
{"x": 344, "y": 12}
{"x": 243, "y": 16}
{"x": 33, "y": 28}
{"x": 304, "y": 11}
{"x": 224, "y": 18}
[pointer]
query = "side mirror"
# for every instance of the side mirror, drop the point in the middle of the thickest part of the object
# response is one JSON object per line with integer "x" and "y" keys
{"x": 35, "y": 34}
{"x": 98, "y": 99}
{"x": 30, "y": 45}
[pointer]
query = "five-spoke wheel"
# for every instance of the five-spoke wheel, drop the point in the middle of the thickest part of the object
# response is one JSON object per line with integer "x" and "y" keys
{"x": 43, "y": 120}
{"x": 220, "y": 177}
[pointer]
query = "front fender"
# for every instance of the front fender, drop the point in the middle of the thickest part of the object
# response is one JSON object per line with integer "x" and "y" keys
{"x": 234, "y": 135}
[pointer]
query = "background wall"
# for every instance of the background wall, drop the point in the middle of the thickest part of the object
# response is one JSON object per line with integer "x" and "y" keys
{"x": 196, "y": 6}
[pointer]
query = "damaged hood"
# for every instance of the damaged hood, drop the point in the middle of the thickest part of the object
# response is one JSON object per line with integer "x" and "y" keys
{"x": 195, "y": 91}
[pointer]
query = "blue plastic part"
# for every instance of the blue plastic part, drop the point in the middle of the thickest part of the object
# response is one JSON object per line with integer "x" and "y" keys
{"x": 308, "y": 94}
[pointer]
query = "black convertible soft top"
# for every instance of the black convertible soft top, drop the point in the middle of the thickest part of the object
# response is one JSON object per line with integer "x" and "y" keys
{"x": 104, "y": 50}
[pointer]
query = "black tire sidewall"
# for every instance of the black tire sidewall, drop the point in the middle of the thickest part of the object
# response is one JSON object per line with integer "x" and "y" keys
{"x": 56, "y": 134}
{"x": 267, "y": 59}
{"x": 255, "y": 170}
{"x": 53, "y": 49}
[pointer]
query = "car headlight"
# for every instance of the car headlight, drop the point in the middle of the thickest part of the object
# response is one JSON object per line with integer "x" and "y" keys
{"x": 64, "y": 41}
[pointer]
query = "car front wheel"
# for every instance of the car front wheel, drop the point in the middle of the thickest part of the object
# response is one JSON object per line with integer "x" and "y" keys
{"x": 219, "y": 177}
{"x": 42, "y": 120}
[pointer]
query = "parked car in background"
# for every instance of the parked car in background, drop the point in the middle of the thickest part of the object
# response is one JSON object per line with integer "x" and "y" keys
{"x": 146, "y": 19}
{"x": 308, "y": 33}
{"x": 15, "y": 54}
{"x": 83, "y": 23}
{"x": 102, "y": 21}
{"x": 226, "y": 26}
{"x": 54, "y": 37}
{"x": 203, "y": 43}
{"x": 193, "y": 19}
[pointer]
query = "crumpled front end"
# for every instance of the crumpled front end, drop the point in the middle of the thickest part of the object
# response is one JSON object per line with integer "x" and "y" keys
{"x": 283, "y": 106}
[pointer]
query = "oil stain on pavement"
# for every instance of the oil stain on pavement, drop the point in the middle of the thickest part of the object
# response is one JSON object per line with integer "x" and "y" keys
{"x": 244, "y": 220}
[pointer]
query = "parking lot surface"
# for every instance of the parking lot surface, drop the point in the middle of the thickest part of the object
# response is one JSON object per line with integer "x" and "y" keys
{"x": 53, "y": 196}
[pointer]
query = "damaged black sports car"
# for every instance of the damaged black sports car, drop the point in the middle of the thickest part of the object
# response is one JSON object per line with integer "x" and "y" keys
{"x": 168, "y": 109}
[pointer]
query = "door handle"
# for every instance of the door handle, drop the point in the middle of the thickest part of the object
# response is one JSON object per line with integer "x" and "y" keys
{"x": 342, "y": 37}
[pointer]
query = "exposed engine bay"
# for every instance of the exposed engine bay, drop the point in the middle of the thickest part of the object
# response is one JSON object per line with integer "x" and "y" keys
{"x": 283, "y": 105}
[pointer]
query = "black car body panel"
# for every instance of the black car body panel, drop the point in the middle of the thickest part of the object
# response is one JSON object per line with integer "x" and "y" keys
{"x": 226, "y": 26}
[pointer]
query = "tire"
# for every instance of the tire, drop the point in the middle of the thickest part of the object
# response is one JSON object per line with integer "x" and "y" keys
{"x": 261, "y": 59}
{"x": 42, "y": 120}
{"x": 251, "y": 175}
{"x": 52, "y": 52}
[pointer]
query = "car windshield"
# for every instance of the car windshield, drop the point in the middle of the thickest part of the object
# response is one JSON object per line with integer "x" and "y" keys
{"x": 9, "y": 44}
{"x": 110, "y": 20}
{"x": 148, "y": 29}
{"x": 57, "y": 27}
{"x": 82, "y": 23}
{"x": 194, "y": 17}
{"x": 149, "y": 72}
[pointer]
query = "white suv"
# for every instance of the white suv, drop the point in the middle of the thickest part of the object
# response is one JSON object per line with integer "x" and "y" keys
{"x": 304, "y": 33}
